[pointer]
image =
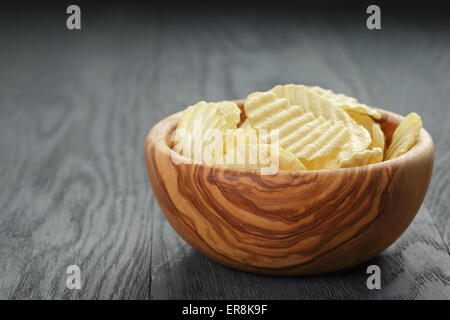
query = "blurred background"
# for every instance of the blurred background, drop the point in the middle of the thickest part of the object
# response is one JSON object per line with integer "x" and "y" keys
{"x": 76, "y": 105}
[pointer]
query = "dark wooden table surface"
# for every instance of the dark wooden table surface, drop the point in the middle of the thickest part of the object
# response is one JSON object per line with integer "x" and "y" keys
{"x": 75, "y": 107}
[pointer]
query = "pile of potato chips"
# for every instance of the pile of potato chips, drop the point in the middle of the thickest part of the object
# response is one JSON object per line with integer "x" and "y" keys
{"x": 291, "y": 127}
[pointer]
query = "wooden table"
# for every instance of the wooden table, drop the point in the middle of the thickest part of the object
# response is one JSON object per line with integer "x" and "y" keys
{"x": 75, "y": 107}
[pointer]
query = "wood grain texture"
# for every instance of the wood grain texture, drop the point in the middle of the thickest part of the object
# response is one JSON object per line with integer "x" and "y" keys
{"x": 292, "y": 222}
{"x": 72, "y": 188}
{"x": 416, "y": 266}
{"x": 75, "y": 108}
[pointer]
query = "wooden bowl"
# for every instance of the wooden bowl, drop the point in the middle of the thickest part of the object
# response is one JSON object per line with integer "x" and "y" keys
{"x": 293, "y": 222}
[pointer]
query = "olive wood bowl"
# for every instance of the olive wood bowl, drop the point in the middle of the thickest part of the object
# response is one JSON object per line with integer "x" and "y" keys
{"x": 293, "y": 222}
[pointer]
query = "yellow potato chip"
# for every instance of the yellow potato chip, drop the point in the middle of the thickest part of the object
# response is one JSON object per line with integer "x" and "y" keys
{"x": 325, "y": 162}
{"x": 309, "y": 101}
{"x": 199, "y": 134}
{"x": 289, "y": 161}
{"x": 292, "y": 130}
{"x": 405, "y": 136}
{"x": 231, "y": 111}
{"x": 344, "y": 160}
{"x": 359, "y": 138}
{"x": 347, "y": 103}
{"x": 182, "y": 125}
{"x": 257, "y": 156}
{"x": 264, "y": 108}
{"x": 240, "y": 136}
{"x": 318, "y": 141}
{"x": 246, "y": 124}
{"x": 301, "y": 133}
{"x": 363, "y": 158}
{"x": 378, "y": 140}
{"x": 234, "y": 137}
{"x": 362, "y": 119}
{"x": 377, "y": 137}
{"x": 290, "y": 127}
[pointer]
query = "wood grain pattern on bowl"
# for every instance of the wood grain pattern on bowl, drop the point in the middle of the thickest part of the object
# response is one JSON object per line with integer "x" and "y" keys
{"x": 293, "y": 222}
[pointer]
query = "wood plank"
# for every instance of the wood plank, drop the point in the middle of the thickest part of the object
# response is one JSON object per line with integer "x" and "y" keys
{"x": 74, "y": 115}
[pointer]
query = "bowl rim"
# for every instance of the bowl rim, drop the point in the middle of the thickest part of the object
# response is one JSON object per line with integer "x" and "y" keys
{"x": 423, "y": 146}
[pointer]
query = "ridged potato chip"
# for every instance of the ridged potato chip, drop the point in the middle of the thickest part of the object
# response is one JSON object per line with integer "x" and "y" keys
{"x": 234, "y": 137}
{"x": 378, "y": 139}
{"x": 320, "y": 140}
{"x": 291, "y": 127}
{"x": 265, "y": 111}
{"x": 347, "y": 103}
{"x": 310, "y": 101}
{"x": 363, "y": 158}
{"x": 240, "y": 136}
{"x": 405, "y": 136}
{"x": 356, "y": 159}
{"x": 299, "y": 132}
{"x": 206, "y": 122}
{"x": 257, "y": 156}
{"x": 325, "y": 162}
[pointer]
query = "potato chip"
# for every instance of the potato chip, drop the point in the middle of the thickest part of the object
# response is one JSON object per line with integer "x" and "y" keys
{"x": 240, "y": 136}
{"x": 318, "y": 141}
{"x": 347, "y": 103}
{"x": 201, "y": 128}
{"x": 321, "y": 163}
{"x": 299, "y": 132}
{"x": 405, "y": 136}
{"x": 234, "y": 137}
{"x": 309, "y": 100}
{"x": 292, "y": 130}
{"x": 246, "y": 124}
{"x": 359, "y": 138}
{"x": 262, "y": 107}
{"x": 362, "y": 119}
{"x": 291, "y": 127}
{"x": 231, "y": 111}
{"x": 182, "y": 125}
{"x": 289, "y": 161}
{"x": 378, "y": 140}
{"x": 363, "y": 158}
{"x": 257, "y": 156}
{"x": 340, "y": 159}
